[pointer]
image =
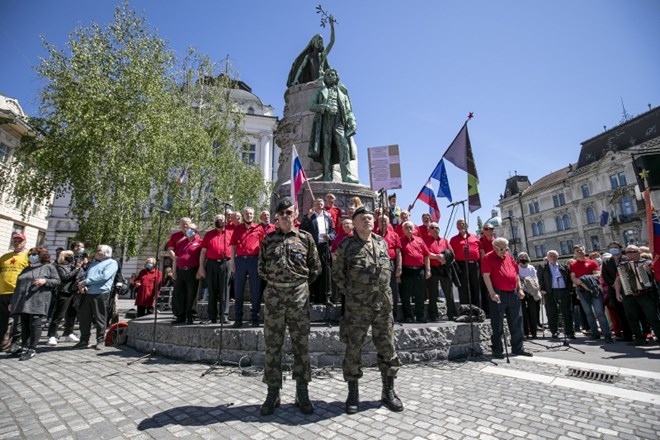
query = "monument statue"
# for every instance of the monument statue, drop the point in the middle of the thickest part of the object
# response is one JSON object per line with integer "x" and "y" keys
{"x": 331, "y": 141}
{"x": 313, "y": 60}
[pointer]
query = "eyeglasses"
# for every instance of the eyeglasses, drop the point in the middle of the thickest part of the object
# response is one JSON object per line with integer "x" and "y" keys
{"x": 287, "y": 212}
{"x": 501, "y": 249}
{"x": 489, "y": 229}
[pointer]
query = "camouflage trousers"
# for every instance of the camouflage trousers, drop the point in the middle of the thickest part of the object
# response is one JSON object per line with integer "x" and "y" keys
{"x": 366, "y": 308}
{"x": 286, "y": 307}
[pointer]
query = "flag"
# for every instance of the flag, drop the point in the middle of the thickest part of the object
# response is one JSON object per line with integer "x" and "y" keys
{"x": 298, "y": 176}
{"x": 460, "y": 154}
{"x": 427, "y": 196}
{"x": 182, "y": 177}
{"x": 440, "y": 174}
{"x": 652, "y": 221}
{"x": 604, "y": 218}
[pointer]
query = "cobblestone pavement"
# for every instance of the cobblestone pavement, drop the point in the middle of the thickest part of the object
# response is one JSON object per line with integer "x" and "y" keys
{"x": 88, "y": 394}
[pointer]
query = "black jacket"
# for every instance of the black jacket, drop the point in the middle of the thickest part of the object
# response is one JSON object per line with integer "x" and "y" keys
{"x": 68, "y": 276}
{"x": 609, "y": 271}
{"x": 308, "y": 224}
{"x": 545, "y": 277}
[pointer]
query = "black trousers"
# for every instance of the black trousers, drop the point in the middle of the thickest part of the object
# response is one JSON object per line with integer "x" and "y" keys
{"x": 556, "y": 300}
{"x": 394, "y": 285}
{"x": 217, "y": 283}
{"x": 472, "y": 274}
{"x": 184, "y": 300}
{"x": 31, "y": 325}
{"x": 64, "y": 310}
{"x": 5, "y": 302}
{"x": 434, "y": 293}
{"x": 530, "y": 312}
{"x": 320, "y": 288}
{"x": 93, "y": 310}
{"x": 412, "y": 286}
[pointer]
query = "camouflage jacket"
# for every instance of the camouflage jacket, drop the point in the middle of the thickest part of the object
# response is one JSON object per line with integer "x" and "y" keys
{"x": 289, "y": 258}
{"x": 359, "y": 264}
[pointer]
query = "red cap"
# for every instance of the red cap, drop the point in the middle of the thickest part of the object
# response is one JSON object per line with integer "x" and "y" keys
{"x": 17, "y": 235}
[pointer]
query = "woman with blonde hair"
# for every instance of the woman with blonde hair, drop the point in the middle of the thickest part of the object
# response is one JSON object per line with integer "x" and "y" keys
{"x": 68, "y": 271}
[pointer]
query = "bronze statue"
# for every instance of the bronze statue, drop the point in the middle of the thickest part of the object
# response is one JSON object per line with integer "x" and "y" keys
{"x": 332, "y": 129}
{"x": 313, "y": 60}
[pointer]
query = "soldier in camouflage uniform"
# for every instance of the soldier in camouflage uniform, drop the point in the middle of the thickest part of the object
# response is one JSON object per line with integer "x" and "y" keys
{"x": 288, "y": 261}
{"x": 362, "y": 271}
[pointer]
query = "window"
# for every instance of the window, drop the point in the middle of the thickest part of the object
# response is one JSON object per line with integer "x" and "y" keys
{"x": 559, "y": 223}
{"x": 514, "y": 230}
{"x": 562, "y": 201}
{"x": 510, "y": 214}
{"x": 595, "y": 243}
{"x": 249, "y": 153}
{"x": 41, "y": 238}
{"x": 533, "y": 207}
{"x": 629, "y": 237}
{"x": 539, "y": 251}
{"x": 535, "y": 229}
{"x": 558, "y": 200}
{"x": 5, "y": 153}
{"x": 541, "y": 227}
{"x": 591, "y": 216}
{"x": 614, "y": 183}
{"x": 562, "y": 248}
{"x": 555, "y": 201}
{"x": 627, "y": 209}
{"x": 585, "y": 191}
{"x": 622, "y": 179}
{"x": 567, "y": 221}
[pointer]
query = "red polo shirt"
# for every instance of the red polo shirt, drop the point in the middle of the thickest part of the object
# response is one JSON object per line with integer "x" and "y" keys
{"x": 436, "y": 246}
{"x": 216, "y": 244}
{"x": 584, "y": 267}
{"x": 268, "y": 229}
{"x": 423, "y": 232}
{"x": 187, "y": 252}
{"x": 486, "y": 244}
{"x": 247, "y": 239}
{"x": 174, "y": 238}
{"x": 393, "y": 241}
{"x": 503, "y": 271}
{"x": 335, "y": 213}
{"x": 458, "y": 243}
{"x": 413, "y": 251}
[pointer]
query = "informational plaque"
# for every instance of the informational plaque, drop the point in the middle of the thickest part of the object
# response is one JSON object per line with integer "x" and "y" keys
{"x": 384, "y": 167}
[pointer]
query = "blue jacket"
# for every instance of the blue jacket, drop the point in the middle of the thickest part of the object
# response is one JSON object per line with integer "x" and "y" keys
{"x": 100, "y": 276}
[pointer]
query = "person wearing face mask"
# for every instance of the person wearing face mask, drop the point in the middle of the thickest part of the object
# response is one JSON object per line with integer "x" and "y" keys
{"x": 34, "y": 288}
{"x": 609, "y": 274}
{"x": 68, "y": 271}
{"x": 186, "y": 283}
{"x": 214, "y": 266}
{"x": 530, "y": 304}
{"x": 147, "y": 283}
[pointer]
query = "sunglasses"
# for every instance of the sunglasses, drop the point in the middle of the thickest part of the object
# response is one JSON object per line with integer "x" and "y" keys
{"x": 501, "y": 249}
{"x": 433, "y": 227}
{"x": 287, "y": 212}
{"x": 489, "y": 229}
{"x": 632, "y": 252}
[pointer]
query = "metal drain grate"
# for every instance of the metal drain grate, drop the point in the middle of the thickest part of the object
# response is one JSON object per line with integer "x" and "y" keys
{"x": 592, "y": 375}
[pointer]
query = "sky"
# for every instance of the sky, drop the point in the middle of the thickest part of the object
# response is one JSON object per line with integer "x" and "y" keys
{"x": 540, "y": 77}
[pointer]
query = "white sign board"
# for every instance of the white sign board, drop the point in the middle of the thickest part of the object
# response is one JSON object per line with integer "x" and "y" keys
{"x": 384, "y": 167}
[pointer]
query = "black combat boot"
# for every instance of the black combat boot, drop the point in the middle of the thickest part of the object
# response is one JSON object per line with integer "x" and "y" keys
{"x": 302, "y": 398}
{"x": 272, "y": 401}
{"x": 353, "y": 398}
{"x": 389, "y": 397}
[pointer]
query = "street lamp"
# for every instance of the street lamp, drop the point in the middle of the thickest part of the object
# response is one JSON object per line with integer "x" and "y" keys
{"x": 513, "y": 238}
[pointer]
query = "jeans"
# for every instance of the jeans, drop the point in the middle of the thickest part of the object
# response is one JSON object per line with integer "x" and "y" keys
{"x": 246, "y": 267}
{"x": 594, "y": 306}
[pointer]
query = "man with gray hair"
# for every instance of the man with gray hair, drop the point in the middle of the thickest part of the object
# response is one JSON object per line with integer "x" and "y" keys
{"x": 556, "y": 285}
{"x": 500, "y": 273}
{"x": 95, "y": 289}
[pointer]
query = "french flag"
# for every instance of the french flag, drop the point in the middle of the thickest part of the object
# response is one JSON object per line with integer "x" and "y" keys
{"x": 298, "y": 176}
{"x": 427, "y": 196}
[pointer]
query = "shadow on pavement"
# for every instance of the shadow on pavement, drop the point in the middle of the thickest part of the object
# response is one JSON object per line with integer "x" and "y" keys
{"x": 286, "y": 414}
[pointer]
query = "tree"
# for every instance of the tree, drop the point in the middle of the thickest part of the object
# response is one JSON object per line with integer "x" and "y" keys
{"x": 118, "y": 126}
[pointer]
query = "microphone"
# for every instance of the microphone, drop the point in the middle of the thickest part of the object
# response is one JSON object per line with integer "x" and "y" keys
{"x": 381, "y": 191}
{"x": 460, "y": 202}
{"x": 162, "y": 211}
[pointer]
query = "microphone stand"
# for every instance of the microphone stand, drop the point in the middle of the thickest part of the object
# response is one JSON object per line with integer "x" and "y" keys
{"x": 221, "y": 310}
{"x": 152, "y": 352}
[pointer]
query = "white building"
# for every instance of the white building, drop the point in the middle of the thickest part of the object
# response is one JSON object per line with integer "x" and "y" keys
{"x": 13, "y": 126}
{"x": 592, "y": 202}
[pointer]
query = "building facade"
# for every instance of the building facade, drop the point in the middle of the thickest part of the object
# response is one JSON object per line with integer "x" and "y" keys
{"x": 591, "y": 202}
{"x": 16, "y": 215}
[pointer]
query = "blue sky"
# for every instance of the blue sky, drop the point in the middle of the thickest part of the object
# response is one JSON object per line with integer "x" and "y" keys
{"x": 540, "y": 77}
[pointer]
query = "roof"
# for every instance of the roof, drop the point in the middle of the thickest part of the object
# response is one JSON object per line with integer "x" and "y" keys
{"x": 551, "y": 179}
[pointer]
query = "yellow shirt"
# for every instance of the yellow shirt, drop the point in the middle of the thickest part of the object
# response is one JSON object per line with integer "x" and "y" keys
{"x": 11, "y": 264}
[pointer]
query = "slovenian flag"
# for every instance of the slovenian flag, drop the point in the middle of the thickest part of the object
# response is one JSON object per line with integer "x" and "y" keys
{"x": 427, "y": 196}
{"x": 298, "y": 176}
